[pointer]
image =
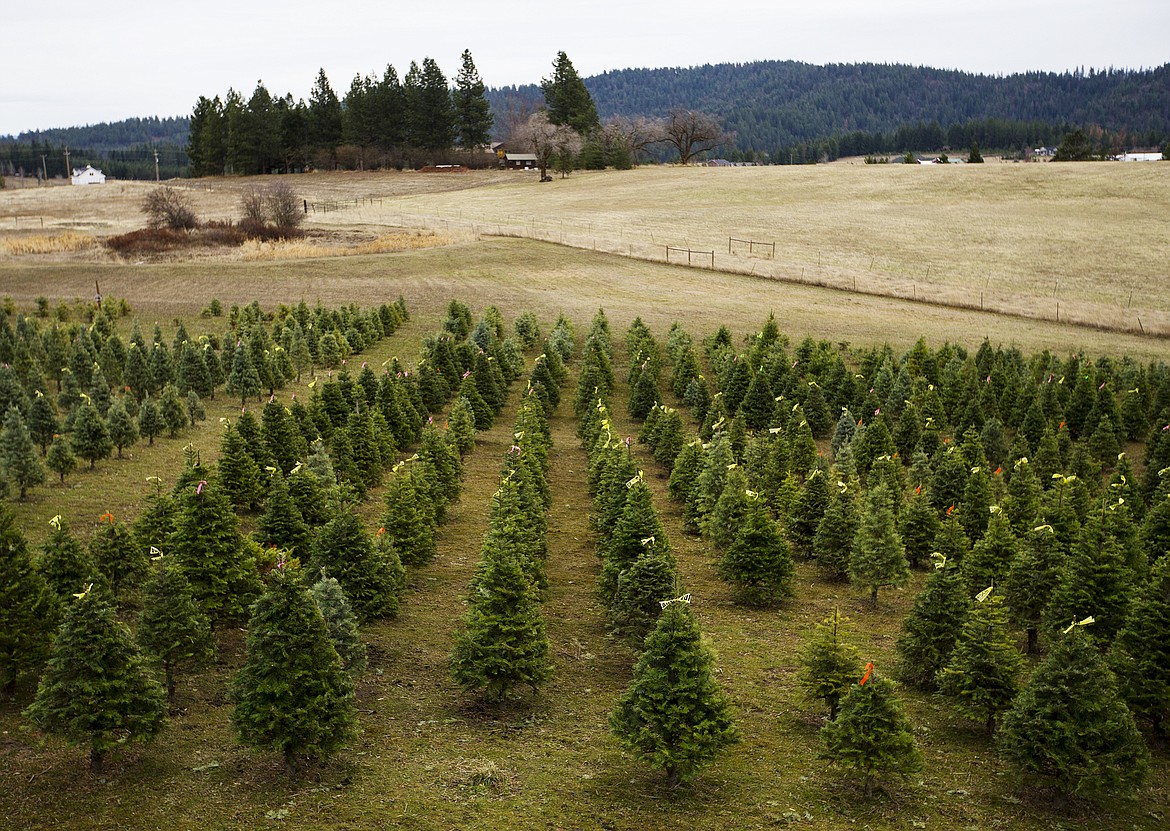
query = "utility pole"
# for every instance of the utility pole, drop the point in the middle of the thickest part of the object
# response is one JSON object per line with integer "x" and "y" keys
{"x": 44, "y": 167}
{"x": 68, "y": 170}
{"x": 156, "y": 164}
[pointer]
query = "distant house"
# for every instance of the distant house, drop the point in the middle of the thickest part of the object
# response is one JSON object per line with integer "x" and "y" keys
{"x": 1141, "y": 156}
{"x": 519, "y": 161}
{"x": 1044, "y": 151}
{"x": 717, "y": 163}
{"x": 88, "y": 176}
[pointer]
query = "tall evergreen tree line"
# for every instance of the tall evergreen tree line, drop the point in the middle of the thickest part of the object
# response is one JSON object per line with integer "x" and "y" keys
{"x": 379, "y": 121}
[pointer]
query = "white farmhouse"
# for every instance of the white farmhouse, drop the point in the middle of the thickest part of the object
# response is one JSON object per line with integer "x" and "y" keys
{"x": 88, "y": 176}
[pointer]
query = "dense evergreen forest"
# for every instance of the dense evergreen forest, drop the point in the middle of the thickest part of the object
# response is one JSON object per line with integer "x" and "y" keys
{"x": 777, "y": 111}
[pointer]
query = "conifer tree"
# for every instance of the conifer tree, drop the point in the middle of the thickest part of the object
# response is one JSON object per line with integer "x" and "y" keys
{"x": 713, "y": 477}
{"x": 991, "y": 557}
{"x": 983, "y": 672}
{"x": 64, "y": 562}
{"x": 918, "y": 525}
{"x": 828, "y": 662}
{"x": 503, "y": 642}
{"x": 117, "y": 555}
{"x": 150, "y": 420}
{"x": 174, "y": 411}
{"x": 96, "y": 690}
{"x": 730, "y": 509}
{"x": 1069, "y": 727}
{"x": 243, "y": 379}
{"x": 292, "y": 694}
{"x": 637, "y": 522}
{"x": 837, "y": 531}
{"x": 239, "y": 474}
{"x": 878, "y": 557}
{"x": 871, "y": 733}
{"x": 342, "y": 625}
{"x": 687, "y": 466}
{"x": 29, "y": 610}
{"x": 282, "y": 524}
{"x": 173, "y": 628}
{"x": 1031, "y": 579}
{"x": 123, "y": 428}
{"x": 43, "y": 424}
{"x": 19, "y": 463}
{"x": 808, "y": 509}
{"x": 461, "y": 423}
{"x": 346, "y": 552}
{"x": 1141, "y": 651}
{"x": 758, "y": 563}
{"x": 208, "y": 546}
{"x": 673, "y": 715}
{"x": 635, "y": 608}
{"x": 932, "y": 627}
{"x": 408, "y": 519}
{"x": 60, "y": 458}
{"x": 91, "y": 438}
{"x": 1095, "y": 580}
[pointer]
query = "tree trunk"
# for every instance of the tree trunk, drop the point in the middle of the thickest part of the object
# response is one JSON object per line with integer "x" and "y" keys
{"x": 868, "y": 785}
{"x": 873, "y": 598}
{"x": 990, "y": 723}
{"x": 96, "y": 760}
{"x": 170, "y": 675}
{"x": 1033, "y": 641}
{"x": 291, "y": 765}
{"x": 672, "y": 776}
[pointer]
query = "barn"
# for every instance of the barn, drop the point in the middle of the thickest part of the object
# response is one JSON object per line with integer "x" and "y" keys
{"x": 88, "y": 175}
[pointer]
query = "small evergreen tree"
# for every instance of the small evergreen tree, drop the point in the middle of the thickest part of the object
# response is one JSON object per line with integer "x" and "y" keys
{"x": 408, "y": 519}
{"x": 150, "y": 420}
{"x": 344, "y": 550}
{"x": 871, "y": 733}
{"x": 282, "y": 525}
{"x": 758, "y": 563}
{"x": 174, "y": 411}
{"x": 292, "y": 694}
{"x": 461, "y": 423}
{"x": 123, "y": 429}
{"x": 983, "y": 672}
{"x": 933, "y": 625}
{"x": 91, "y": 438}
{"x": 635, "y": 608}
{"x": 828, "y": 662}
{"x": 1141, "y": 651}
{"x": 19, "y": 463}
{"x": 60, "y": 458}
{"x": 173, "y": 628}
{"x": 878, "y": 557}
{"x": 918, "y": 525}
{"x": 64, "y": 562}
{"x": 118, "y": 556}
{"x": 1069, "y": 727}
{"x": 29, "y": 611}
{"x": 673, "y": 715}
{"x": 342, "y": 625}
{"x": 837, "y": 531}
{"x": 43, "y": 424}
{"x": 1030, "y": 580}
{"x": 97, "y": 690}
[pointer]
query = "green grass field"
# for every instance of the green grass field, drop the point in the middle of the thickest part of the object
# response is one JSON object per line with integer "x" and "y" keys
{"x": 426, "y": 758}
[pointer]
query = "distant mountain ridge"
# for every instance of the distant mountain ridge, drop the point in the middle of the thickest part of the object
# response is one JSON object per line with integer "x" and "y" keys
{"x": 114, "y": 135}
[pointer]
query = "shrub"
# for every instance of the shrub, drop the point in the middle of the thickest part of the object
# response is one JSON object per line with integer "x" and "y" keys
{"x": 166, "y": 207}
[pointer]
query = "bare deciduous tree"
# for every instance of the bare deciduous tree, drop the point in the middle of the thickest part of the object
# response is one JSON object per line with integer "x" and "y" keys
{"x": 166, "y": 207}
{"x": 277, "y": 205}
{"x": 691, "y": 132}
{"x": 633, "y": 135}
{"x": 548, "y": 141}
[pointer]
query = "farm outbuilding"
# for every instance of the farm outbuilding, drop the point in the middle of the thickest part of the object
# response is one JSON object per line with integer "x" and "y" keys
{"x": 520, "y": 161}
{"x": 88, "y": 175}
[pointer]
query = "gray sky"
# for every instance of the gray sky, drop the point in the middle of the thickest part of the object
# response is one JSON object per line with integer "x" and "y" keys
{"x": 68, "y": 63}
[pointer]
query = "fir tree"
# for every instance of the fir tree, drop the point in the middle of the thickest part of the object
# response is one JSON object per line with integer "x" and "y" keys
{"x": 117, "y": 555}
{"x": 636, "y": 607}
{"x": 673, "y": 715}
{"x": 1095, "y": 580}
{"x": 807, "y": 511}
{"x": 174, "y": 412}
{"x": 408, "y": 519}
{"x": 64, "y": 562}
{"x": 208, "y": 546}
{"x": 461, "y": 423}
{"x": 1141, "y": 651}
{"x": 758, "y": 563}
{"x": 282, "y": 525}
{"x": 730, "y": 509}
{"x": 239, "y": 474}
{"x": 918, "y": 525}
{"x": 346, "y": 552}
{"x": 29, "y": 611}
{"x": 96, "y": 689}
{"x": 503, "y": 642}
{"x": 173, "y": 628}
{"x": 932, "y": 627}
{"x": 982, "y": 674}
{"x": 871, "y": 733}
{"x": 43, "y": 424}
{"x": 292, "y": 694}
{"x": 1030, "y": 580}
{"x": 243, "y": 379}
{"x": 837, "y": 531}
{"x": 123, "y": 429}
{"x": 991, "y": 557}
{"x": 878, "y": 557}
{"x": 637, "y": 523}
{"x": 342, "y": 625}
{"x": 60, "y": 459}
{"x": 828, "y": 662}
{"x": 19, "y": 463}
{"x": 91, "y": 438}
{"x": 150, "y": 420}
{"x": 1069, "y": 727}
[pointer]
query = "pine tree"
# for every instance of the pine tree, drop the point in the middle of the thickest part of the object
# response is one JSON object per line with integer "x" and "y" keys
{"x": 461, "y": 423}
{"x": 1095, "y": 580}
{"x": 878, "y": 557}
{"x": 918, "y": 525}
{"x": 871, "y": 733}
{"x": 173, "y": 628}
{"x": 208, "y": 546}
{"x": 64, "y": 562}
{"x": 635, "y": 607}
{"x": 837, "y": 531}
{"x": 19, "y": 463}
{"x": 239, "y": 474}
{"x": 566, "y": 98}
{"x": 1069, "y": 726}
{"x": 342, "y": 625}
{"x": 346, "y": 552}
{"x": 503, "y": 642}
{"x": 60, "y": 458}
{"x": 828, "y": 662}
{"x": 43, "y": 424}
{"x": 730, "y": 509}
{"x": 409, "y": 519}
{"x": 673, "y": 715}
{"x": 758, "y": 563}
{"x": 96, "y": 689}
{"x": 150, "y": 420}
{"x": 117, "y": 555}
{"x": 243, "y": 379}
{"x": 983, "y": 672}
{"x": 932, "y": 627}
{"x": 1141, "y": 651}
{"x": 29, "y": 611}
{"x": 1030, "y": 580}
{"x": 174, "y": 412}
{"x": 991, "y": 557}
{"x": 282, "y": 525}
{"x": 292, "y": 694}
{"x": 123, "y": 429}
{"x": 91, "y": 438}
{"x": 637, "y": 522}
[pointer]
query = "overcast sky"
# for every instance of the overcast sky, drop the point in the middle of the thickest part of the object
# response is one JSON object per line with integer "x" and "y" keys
{"x": 69, "y": 63}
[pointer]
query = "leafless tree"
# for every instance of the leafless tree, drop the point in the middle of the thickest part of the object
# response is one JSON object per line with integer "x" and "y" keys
{"x": 166, "y": 207}
{"x": 277, "y": 205}
{"x": 633, "y": 135}
{"x": 547, "y": 141}
{"x": 691, "y": 132}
